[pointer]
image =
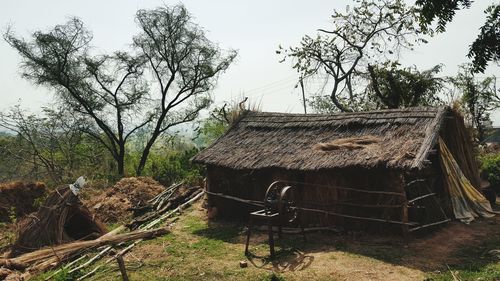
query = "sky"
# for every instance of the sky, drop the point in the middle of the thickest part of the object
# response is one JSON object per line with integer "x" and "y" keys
{"x": 254, "y": 28}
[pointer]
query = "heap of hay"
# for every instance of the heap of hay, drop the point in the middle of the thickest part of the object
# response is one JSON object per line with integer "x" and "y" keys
{"x": 18, "y": 198}
{"x": 118, "y": 203}
{"x": 61, "y": 218}
{"x": 347, "y": 143}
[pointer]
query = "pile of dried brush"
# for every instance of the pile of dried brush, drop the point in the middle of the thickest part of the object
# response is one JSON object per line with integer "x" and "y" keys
{"x": 62, "y": 218}
{"x": 118, "y": 203}
{"x": 18, "y": 198}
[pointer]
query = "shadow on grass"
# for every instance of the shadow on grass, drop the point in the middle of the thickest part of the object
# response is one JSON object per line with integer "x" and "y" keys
{"x": 223, "y": 232}
{"x": 286, "y": 259}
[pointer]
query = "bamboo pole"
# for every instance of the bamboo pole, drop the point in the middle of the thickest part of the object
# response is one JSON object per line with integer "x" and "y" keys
{"x": 429, "y": 224}
{"x": 421, "y": 197}
{"x": 349, "y": 188}
{"x": 354, "y": 217}
{"x": 64, "y": 250}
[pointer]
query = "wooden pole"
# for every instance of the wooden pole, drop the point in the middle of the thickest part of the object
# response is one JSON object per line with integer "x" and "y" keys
{"x": 303, "y": 94}
{"x": 121, "y": 265}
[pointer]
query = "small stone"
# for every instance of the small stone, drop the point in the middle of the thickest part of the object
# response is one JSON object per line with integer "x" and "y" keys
{"x": 243, "y": 264}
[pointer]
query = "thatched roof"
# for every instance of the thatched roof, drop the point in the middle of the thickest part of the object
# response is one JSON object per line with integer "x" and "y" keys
{"x": 399, "y": 139}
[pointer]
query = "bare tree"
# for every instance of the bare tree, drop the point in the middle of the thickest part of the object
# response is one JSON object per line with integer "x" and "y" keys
{"x": 114, "y": 90}
{"x": 184, "y": 63}
{"x": 372, "y": 29}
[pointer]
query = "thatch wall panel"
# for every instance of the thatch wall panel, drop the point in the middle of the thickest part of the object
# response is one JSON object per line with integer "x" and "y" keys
{"x": 316, "y": 190}
{"x": 459, "y": 142}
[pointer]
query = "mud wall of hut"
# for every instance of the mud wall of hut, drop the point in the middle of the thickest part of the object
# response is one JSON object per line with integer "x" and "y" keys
{"x": 327, "y": 190}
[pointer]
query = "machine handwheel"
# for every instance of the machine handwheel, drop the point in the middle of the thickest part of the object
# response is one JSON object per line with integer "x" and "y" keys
{"x": 287, "y": 206}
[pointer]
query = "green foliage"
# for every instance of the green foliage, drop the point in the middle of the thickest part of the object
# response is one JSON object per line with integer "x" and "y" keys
{"x": 486, "y": 47}
{"x": 12, "y": 214}
{"x": 440, "y": 11}
{"x": 394, "y": 87}
{"x": 174, "y": 166}
{"x": 49, "y": 147}
{"x": 210, "y": 130}
{"x": 220, "y": 119}
{"x": 169, "y": 161}
{"x": 390, "y": 86}
{"x": 490, "y": 163}
{"x": 479, "y": 98}
{"x": 273, "y": 277}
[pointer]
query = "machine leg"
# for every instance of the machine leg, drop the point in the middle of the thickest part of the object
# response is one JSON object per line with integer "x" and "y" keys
{"x": 248, "y": 236}
{"x": 303, "y": 233}
{"x": 271, "y": 239}
{"x": 302, "y": 229}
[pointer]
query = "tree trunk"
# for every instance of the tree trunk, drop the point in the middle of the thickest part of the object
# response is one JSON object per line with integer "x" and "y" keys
{"x": 121, "y": 165}
{"x": 120, "y": 160}
{"x": 145, "y": 154}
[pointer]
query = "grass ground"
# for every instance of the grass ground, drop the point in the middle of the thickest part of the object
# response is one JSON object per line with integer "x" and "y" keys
{"x": 201, "y": 250}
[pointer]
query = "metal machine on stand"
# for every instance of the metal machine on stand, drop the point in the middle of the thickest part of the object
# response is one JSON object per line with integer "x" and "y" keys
{"x": 280, "y": 208}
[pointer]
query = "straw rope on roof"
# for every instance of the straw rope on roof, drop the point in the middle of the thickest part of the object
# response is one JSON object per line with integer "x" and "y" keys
{"x": 400, "y": 138}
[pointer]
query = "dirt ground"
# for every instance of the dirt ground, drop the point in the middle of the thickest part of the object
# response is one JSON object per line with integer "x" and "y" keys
{"x": 201, "y": 250}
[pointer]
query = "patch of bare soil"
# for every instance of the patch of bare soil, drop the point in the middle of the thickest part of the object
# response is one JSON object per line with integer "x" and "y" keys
{"x": 17, "y": 198}
{"x": 118, "y": 202}
{"x": 440, "y": 248}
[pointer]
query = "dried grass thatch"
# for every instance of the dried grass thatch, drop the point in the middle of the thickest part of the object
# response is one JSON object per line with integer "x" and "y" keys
{"x": 347, "y": 143}
{"x": 258, "y": 140}
{"x": 61, "y": 219}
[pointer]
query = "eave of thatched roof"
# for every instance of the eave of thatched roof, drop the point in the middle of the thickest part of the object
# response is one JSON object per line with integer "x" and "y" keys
{"x": 265, "y": 140}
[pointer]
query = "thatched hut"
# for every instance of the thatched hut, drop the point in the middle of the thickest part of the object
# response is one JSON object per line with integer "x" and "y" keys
{"x": 62, "y": 218}
{"x": 373, "y": 170}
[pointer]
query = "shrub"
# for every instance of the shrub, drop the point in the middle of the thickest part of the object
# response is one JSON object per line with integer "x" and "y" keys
{"x": 490, "y": 164}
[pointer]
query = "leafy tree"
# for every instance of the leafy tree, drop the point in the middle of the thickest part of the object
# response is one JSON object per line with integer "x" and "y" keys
{"x": 113, "y": 90}
{"x": 106, "y": 89}
{"x": 211, "y": 128}
{"x": 372, "y": 30}
{"x": 485, "y": 48}
{"x": 51, "y": 146}
{"x": 221, "y": 119}
{"x": 479, "y": 98}
{"x": 390, "y": 86}
{"x": 441, "y": 11}
{"x": 393, "y": 87}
